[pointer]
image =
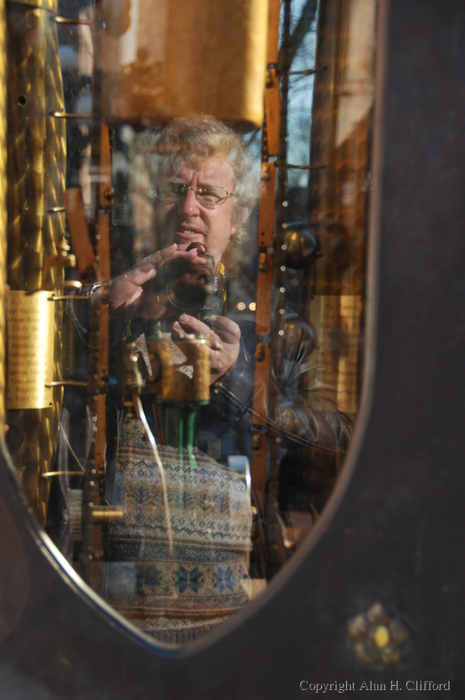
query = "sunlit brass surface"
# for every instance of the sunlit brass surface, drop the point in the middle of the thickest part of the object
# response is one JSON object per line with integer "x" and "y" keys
{"x": 30, "y": 332}
{"x": 106, "y": 514}
{"x": 41, "y": 4}
{"x": 168, "y": 70}
{"x": 36, "y": 169}
{"x": 3, "y": 209}
{"x": 49, "y": 475}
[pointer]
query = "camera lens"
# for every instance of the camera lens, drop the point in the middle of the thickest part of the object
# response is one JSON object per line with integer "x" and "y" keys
{"x": 190, "y": 287}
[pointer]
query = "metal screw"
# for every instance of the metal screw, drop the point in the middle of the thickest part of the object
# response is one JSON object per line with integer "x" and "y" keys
{"x": 108, "y": 197}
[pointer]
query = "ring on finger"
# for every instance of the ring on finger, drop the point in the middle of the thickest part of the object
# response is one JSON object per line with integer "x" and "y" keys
{"x": 215, "y": 343}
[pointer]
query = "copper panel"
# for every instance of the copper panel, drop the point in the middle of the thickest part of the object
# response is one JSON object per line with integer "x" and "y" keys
{"x": 272, "y": 110}
{"x": 266, "y": 216}
{"x": 273, "y": 31}
{"x": 259, "y": 464}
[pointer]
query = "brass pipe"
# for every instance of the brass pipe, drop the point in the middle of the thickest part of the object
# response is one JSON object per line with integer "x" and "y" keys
{"x": 106, "y": 514}
{"x": 70, "y": 115}
{"x": 76, "y": 297}
{"x": 69, "y": 382}
{"x": 70, "y": 20}
{"x": 49, "y": 475}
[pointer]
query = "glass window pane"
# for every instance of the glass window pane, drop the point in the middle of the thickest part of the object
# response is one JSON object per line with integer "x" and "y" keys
{"x": 187, "y": 210}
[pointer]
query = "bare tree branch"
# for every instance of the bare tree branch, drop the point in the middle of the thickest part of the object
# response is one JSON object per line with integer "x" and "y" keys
{"x": 301, "y": 29}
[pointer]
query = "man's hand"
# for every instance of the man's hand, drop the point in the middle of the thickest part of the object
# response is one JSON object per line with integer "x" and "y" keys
{"x": 224, "y": 337}
{"x": 127, "y": 299}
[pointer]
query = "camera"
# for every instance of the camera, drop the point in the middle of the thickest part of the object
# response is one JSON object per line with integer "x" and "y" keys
{"x": 194, "y": 288}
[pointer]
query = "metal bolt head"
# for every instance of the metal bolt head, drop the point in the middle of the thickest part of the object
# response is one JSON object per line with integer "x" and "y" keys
{"x": 108, "y": 198}
{"x": 260, "y": 352}
{"x": 256, "y": 441}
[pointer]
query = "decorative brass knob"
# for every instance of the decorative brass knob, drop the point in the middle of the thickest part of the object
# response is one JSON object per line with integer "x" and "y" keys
{"x": 379, "y": 636}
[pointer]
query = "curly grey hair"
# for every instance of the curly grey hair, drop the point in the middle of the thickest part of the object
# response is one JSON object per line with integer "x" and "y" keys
{"x": 196, "y": 137}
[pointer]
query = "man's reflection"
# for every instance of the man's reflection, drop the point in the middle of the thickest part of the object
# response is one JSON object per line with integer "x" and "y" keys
{"x": 205, "y": 193}
{"x": 206, "y": 189}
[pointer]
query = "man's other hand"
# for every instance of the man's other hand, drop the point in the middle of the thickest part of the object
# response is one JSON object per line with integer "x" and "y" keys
{"x": 127, "y": 299}
{"x": 224, "y": 337}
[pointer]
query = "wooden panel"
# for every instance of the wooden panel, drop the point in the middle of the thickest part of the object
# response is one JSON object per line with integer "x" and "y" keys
{"x": 266, "y": 216}
{"x": 273, "y": 31}
{"x": 272, "y": 111}
{"x": 78, "y": 229}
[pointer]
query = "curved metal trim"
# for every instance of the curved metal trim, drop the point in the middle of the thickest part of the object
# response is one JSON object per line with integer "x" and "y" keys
{"x": 69, "y": 575}
{"x": 3, "y": 209}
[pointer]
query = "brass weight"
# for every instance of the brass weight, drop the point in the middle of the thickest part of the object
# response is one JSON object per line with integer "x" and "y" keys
{"x": 185, "y": 369}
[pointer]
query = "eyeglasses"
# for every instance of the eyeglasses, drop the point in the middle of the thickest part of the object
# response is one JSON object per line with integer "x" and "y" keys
{"x": 208, "y": 196}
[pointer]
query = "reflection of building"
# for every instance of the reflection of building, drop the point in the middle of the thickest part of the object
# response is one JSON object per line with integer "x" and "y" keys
{"x": 157, "y": 60}
{"x": 340, "y": 182}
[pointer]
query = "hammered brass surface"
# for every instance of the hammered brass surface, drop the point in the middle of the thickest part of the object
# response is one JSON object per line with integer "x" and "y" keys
{"x": 36, "y": 177}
